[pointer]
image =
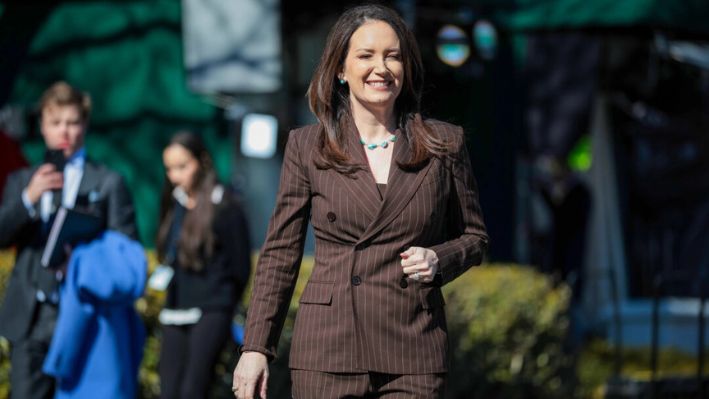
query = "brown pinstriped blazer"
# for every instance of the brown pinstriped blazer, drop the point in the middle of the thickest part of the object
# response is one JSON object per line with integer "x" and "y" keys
{"x": 355, "y": 313}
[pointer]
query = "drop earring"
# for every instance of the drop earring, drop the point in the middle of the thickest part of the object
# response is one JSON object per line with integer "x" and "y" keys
{"x": 342, "y": 81}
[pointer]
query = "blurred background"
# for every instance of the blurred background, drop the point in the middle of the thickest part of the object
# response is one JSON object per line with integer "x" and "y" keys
{"x": 588, "y": 128}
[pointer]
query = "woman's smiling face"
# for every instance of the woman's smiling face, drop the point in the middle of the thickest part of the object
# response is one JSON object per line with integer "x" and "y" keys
{"x": 373, "y": 68}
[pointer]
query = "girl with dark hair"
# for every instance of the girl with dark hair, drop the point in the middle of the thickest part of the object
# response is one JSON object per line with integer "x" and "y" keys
{"x": 203, "y": 241}
{"x": 394, "y": 206}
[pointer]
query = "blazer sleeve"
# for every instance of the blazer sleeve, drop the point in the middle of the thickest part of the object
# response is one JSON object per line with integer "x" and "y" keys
{"x": 236, "y": 242}
{"x": 14, "y": 217}
{"x": 468, "y": 237}
{"x": 120, "y": 213}
{"x": 282, "y": 252}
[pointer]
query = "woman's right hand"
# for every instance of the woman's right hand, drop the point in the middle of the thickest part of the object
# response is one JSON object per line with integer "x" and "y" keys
{"x": 250, "y": 376}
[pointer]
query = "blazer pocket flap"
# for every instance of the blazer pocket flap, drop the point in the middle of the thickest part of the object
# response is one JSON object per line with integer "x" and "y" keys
{"x": 317, "y": 292}
{"x": 431, "y": 298}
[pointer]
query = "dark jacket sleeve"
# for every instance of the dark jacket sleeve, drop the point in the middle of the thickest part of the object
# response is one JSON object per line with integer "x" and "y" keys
{"x": 14, "y": 217}
{"x": 120, "y": 213}
{"x": 235, "y": 236}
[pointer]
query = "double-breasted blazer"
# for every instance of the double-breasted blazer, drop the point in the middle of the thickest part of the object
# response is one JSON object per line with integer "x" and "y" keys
{"x": 358, "y": 312}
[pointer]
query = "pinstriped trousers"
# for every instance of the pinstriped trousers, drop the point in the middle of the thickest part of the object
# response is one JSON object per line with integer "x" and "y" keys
{"x": 321, "y": 385}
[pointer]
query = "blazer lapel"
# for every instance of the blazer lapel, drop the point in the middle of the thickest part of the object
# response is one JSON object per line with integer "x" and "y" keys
{"x": 401, "y": 187}
{"x": 88, "y": 187}
{"x": 88, "y": 178}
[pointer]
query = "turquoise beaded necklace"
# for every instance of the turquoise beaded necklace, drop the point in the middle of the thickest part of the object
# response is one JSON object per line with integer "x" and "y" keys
{"x": 383, "y": 144}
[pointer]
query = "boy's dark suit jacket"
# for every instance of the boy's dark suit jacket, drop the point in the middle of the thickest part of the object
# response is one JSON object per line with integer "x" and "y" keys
{"x": 357, "y": 312}
{"x": 101, "y": 192}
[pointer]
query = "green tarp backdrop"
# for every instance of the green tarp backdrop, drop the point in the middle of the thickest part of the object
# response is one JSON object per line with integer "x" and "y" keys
{"x": 686, "y": 15}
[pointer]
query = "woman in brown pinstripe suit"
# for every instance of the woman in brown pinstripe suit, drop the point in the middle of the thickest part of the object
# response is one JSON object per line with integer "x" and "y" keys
{"x": 394, "y": 206}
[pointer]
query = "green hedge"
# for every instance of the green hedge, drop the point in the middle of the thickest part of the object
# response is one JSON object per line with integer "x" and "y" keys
{"x": 506, "y": 323}
{"x": 507, "y": 326}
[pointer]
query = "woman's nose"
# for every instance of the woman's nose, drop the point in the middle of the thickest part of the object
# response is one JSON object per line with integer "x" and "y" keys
{"x": 380, "y": 65}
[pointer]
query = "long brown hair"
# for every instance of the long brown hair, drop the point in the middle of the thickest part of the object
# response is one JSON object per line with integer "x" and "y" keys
{"x": 196, "y": 238}
{"x": 330, "y": 101}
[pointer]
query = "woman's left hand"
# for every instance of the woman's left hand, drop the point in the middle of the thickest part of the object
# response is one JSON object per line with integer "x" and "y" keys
{"x": 420, "y": 264}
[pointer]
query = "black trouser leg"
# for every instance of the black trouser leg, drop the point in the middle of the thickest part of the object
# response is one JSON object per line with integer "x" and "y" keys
{"x": 189, "y": 354}
{"x": 27, "y": 381}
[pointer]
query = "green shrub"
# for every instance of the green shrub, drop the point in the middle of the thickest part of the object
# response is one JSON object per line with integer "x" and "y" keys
{"x": 507, "y": 326}
{"x": 6, "y": 261}
{"x": 596, "y": 363}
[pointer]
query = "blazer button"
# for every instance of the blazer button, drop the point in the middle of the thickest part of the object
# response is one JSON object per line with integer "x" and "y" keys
{"x": 356, "y": 280}
{"x": 403, "y": 283}
{"x": 331, "y": 217}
